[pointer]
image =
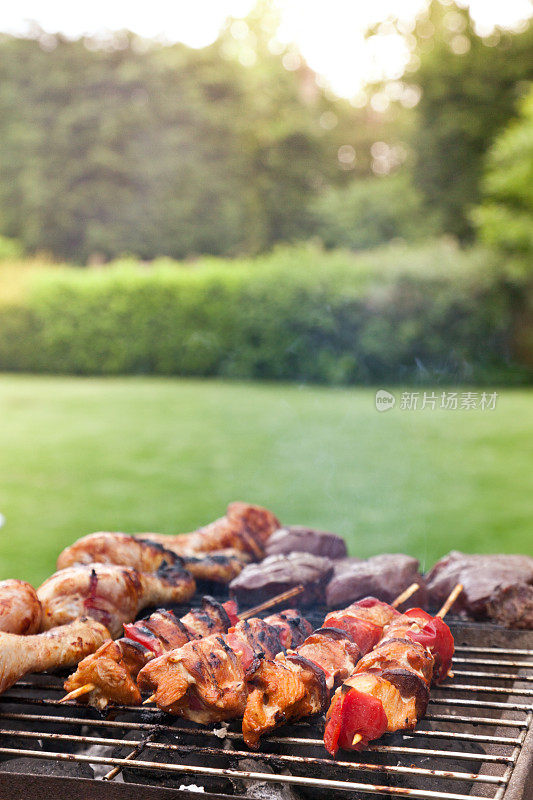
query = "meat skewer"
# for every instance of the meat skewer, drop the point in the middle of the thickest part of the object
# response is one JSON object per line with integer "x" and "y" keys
{"x": 299, "y": 684}
{"x": 212, "y": 682}
{"x": 145, "y": 555}
{"x": 207, "y": 681}
{"x": 109, "y": 674}
{"x": 389, "y": 687}
{"x": 111, "y": 594}
{"x": 20, "y": 609}
{"x": 58, "y": 647}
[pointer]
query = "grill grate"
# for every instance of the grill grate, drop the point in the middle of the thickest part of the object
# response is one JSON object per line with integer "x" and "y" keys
{"x": 470, "y": 745}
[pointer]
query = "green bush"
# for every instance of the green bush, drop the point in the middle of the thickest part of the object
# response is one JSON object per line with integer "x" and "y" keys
{"x": 431, "y": 312}
{"x": 372, "y": 211}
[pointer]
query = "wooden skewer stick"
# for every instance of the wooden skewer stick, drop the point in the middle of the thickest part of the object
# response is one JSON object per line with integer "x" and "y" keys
{"x": 85, "y": 689}
{"x": 405, "y": 595}
{"x": 274, "y": 601}
{"x": 149, "y": 700}
{"x": 452, "y": 597}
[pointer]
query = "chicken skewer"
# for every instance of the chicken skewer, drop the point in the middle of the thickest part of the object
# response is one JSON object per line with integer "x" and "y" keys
{"x": 142, "y": 554}
{"x": 20, "y": 609}
{"x": 299, "y": 684}
{"x": 110, "y": 594}
{"x": 389, "y": 688}
{"x": 207, "y": 681}
{"x": 109, "y": 674}
{"x": 58, "y": 647}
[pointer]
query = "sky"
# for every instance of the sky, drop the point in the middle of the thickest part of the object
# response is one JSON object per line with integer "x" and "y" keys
{"x": 328, "y": 33}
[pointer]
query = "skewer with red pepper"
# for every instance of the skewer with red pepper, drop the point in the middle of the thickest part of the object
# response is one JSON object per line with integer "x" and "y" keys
{"x": 389, "y": 687}
{"x": 299, "y": 684}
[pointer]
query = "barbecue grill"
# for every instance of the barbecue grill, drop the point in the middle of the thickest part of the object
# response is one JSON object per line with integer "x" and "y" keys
{"x": 476, "y": 741}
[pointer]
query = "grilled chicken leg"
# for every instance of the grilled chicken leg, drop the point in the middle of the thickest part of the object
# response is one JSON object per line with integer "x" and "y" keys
{"x": 20, "y": 609}
{"x": 59, "y": 647}
{"x": 220, "y": 566}
{"x": 111, "y": 594}
{"x": 245, "y": 528}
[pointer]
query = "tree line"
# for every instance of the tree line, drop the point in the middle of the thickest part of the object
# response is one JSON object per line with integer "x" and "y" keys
{"x": 128, "y": 146}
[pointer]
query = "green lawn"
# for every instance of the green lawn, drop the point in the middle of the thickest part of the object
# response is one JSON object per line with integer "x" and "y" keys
{"x": 79, "y": 455}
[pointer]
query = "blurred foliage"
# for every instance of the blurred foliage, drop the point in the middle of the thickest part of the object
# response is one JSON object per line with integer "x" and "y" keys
{"x": 10, "y": 249}
{"x": 431, "y": 313}
{"x": 471, "y": 86}
{"x": 371, "y": 211}
{"x": 128, "y": 146}
{"x": 505, "y": 218}
{"x": 119, "y": 145}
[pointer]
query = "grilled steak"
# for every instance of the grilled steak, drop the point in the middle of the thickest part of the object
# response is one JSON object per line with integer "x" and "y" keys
{"x": 383, "y": 576}
{"x": 298, "y": 539}
{"x": 484, "y": 578}
{"x": 276, "y": 574}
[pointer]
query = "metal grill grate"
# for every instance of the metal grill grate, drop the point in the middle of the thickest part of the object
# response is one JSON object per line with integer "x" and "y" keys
{"x": 475, "y": 742}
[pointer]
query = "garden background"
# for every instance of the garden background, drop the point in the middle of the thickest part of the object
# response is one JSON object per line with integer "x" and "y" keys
{"x": 220, "y": 260}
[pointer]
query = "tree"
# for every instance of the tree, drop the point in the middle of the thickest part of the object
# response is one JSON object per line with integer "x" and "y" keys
{"x": 505, "y": 216}
{"x": 470, "y": 89}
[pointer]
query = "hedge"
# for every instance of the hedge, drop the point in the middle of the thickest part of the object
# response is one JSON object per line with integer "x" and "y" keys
{"x": 399, "y": 313}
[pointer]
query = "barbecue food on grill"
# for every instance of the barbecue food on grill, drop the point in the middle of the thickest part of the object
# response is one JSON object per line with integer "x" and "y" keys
{"x": 245, "y": 528}
{"x": 145, "y": 555}
{"x": 111, "y": 594}
{"x": 59, "y": 647}
{"x": 483, "y": 577}
{"x": 20, "y": 609}
{"x": 383, "y": 576}
{"x": 298, "y": 539}
{"x": 113, "y": 668}
{"x": 276, "y": 574}
{"x": 389, "y": 688}
{"x": 207, "y": 681}
{"x": 512, "y": 606}
{"x": 299, "y": 684}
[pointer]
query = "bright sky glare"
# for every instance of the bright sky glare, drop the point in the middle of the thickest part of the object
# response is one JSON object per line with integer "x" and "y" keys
{"x": 329, "y": 33}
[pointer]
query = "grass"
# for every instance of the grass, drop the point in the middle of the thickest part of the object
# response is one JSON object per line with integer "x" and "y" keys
{"x": 134, "y": 454}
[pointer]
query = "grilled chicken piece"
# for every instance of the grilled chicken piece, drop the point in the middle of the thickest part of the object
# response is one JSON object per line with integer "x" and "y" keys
{"x": 207, "y": 681}
{"x": 245, "y": 528}
{"x": 113, "y": 668}
{"x": 59, "y": 647}
{"x": 163, "y": 631}
{"x": 117, "y": 548}
{"x": 145, "y": 555}
{"x": 20, "y": 609}
{"x": 287, "y": 688}
{"x": 218, "y": 566}
{"x": 111, "y": 594}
